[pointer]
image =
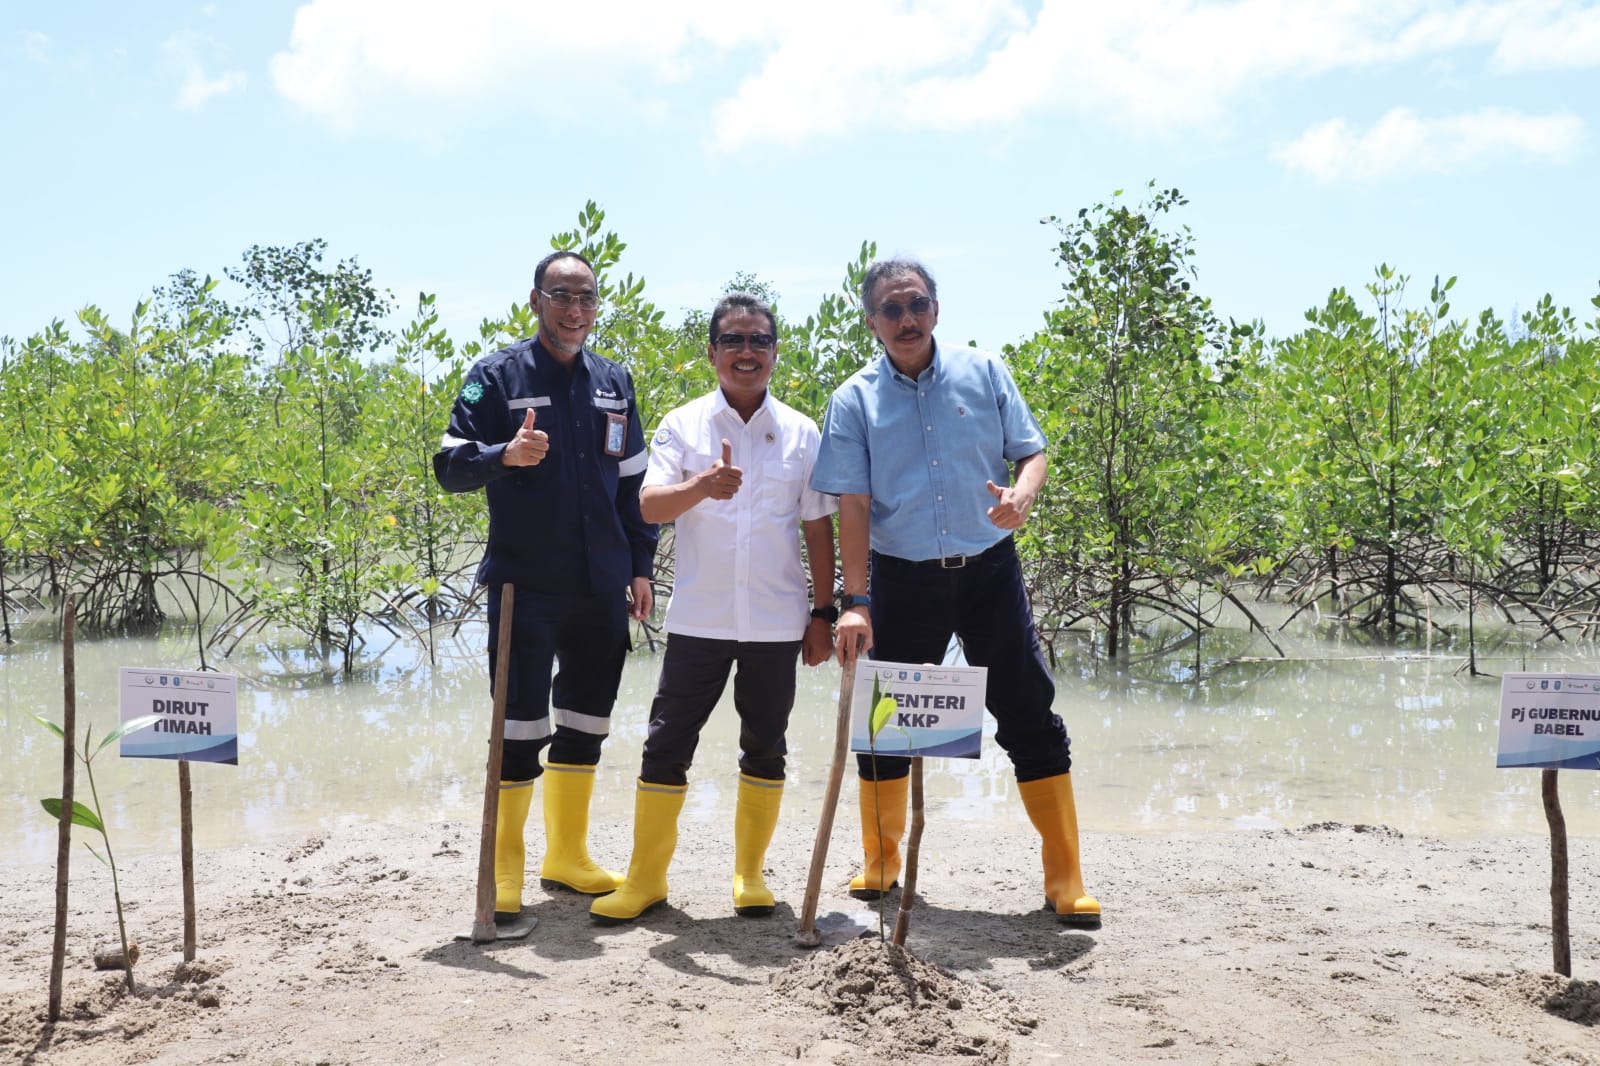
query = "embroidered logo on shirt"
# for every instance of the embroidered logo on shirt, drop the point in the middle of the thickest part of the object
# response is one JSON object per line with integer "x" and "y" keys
{"x": 472, "y": 392}
{"x": 771, "y": 438}
{"x": 663, "y": 437}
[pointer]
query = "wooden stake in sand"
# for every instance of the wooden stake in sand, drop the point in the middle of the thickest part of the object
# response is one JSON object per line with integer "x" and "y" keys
{"x": 908, "y": 890}
{"x": 69, "y": 728}
{"x": 484, "y": 928}
{"x": 807, "y": 936}
{"x": 1560, "y": 937}
{"x": 186, "y": 847}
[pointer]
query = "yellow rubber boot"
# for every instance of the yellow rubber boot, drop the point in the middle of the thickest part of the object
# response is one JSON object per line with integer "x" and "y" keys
{"x": 883, "y": 824}
{"x": 655, "y": 837}
{"x": 567, "y": 789}
{"x": 754, "y": 819}
{"x": 1055, "y": 816}
{"x": 510, "y": 853}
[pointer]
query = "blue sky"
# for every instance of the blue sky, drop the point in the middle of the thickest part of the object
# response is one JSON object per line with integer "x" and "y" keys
{"x": 442, "y": 143}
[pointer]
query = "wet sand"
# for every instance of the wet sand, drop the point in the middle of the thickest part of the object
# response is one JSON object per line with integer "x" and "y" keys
{"x": 1327, "y": 943}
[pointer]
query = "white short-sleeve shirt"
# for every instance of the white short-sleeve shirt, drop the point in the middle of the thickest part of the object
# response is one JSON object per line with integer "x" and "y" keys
{"x": 737, "y": 568}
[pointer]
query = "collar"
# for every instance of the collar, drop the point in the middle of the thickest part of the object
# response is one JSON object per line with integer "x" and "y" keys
{"x": 929, "y": 375}
{"x": 720, "y": 404}
{"x": 543, "y": 360}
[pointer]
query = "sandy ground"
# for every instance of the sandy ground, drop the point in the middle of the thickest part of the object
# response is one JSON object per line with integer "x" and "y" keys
{"x": 1326, "y": 944}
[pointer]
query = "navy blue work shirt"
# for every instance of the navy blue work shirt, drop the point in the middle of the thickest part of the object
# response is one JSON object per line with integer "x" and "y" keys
{"x": 570, "y": 525}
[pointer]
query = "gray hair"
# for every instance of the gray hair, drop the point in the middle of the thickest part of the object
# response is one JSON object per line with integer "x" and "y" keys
{"x": 887, "y": 269}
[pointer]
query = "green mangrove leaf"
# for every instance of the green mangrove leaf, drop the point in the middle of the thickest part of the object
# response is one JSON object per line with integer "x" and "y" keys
{"x": 882, "y": 711}
{"x": 81, "y": 815}
{"x": 132, "y": 726}
{"x": 48, "y": 724}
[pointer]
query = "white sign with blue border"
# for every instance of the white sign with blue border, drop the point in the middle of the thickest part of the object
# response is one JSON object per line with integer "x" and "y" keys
{"x": 1550, "y": 721}
{"x": 940, "y": 710}
{"x": 198, "y": 709}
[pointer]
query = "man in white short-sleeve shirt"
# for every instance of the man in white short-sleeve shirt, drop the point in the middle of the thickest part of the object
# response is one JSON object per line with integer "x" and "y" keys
{"x": 732, "y": 471}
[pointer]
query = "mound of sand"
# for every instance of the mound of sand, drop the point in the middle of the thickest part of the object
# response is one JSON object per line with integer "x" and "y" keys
{"x": 893, "y": 1002}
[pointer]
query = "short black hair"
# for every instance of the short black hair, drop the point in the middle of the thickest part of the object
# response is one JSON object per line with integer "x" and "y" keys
{"x": 538, "y": 271}
{"x": 884, "y": 269}
{"x": 741, "y": 301}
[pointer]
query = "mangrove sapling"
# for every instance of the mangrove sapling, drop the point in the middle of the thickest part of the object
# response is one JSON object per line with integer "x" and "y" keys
{"x": 883, "y": 708}
{"x": 91, "y": 818}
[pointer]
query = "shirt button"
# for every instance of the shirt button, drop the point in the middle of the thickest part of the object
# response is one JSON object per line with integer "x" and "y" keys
{"x": 936, "y": 462}
{"x": 930, "y": 429}
{"x": 940, "y": 498}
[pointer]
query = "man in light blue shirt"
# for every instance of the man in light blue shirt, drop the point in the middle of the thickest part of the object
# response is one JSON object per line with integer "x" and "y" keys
{"x": 920, "y": 447}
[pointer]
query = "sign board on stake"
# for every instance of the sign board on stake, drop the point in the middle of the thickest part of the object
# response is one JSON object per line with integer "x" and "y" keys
{"x": 1550, "y": 720}
{"x": 940, "y": 714}
{"x": 199, "y": 712}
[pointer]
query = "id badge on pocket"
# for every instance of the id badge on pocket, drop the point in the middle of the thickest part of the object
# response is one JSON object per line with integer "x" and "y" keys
{"x": 616, "y": 434}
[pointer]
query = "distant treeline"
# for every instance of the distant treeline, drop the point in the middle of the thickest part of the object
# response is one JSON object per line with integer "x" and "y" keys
{"x": 264, "y": 457}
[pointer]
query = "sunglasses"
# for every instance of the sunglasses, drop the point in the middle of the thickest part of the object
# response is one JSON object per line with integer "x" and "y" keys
{"x": 756, "y": 342}
{"x": 586, "y": 300}
{"x": 893, "y": 311}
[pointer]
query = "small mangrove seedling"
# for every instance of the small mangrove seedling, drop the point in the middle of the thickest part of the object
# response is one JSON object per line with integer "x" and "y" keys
{"x": 883, "y": 708}
{"x": 91, "y": 818}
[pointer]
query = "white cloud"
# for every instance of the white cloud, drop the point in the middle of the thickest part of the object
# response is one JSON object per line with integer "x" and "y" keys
{"x": 36, "y": 46}
{"x": 186, "y": 54}
{"x": 1401, "y": 142}
{"x": 1552, "y": 36}
{"x": 348, "y": 58}
{"x": 857, "y": 64}
{"x": 197, "y": 88}
{"x": 788, "y": 74}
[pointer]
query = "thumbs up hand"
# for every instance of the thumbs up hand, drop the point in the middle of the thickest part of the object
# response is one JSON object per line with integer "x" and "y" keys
{"x": 529, "y": 446}
{"x": 1011, "y": 506}
{"x": 722, "y": 480}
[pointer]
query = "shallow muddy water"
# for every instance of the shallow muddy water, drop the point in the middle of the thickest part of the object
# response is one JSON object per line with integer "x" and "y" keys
{"x": 1342, "y": 732}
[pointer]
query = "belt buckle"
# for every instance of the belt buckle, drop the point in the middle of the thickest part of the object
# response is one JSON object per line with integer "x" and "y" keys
{"x": 952, "y": 562}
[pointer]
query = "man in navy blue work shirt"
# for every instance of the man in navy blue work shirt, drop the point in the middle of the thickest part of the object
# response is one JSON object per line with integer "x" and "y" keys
{"x": 918, "y": 445}
{"x": 551, "y": 432}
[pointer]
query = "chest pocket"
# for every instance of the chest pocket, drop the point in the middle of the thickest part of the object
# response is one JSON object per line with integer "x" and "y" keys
{"x": 778, "y": 489}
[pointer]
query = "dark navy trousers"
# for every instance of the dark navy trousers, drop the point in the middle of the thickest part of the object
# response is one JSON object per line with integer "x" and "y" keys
{"x": 917, "y": 606}
{"x": 588, "y": 635}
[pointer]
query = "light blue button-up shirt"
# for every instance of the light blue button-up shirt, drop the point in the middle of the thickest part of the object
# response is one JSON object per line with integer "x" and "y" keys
{"x": 924, "y": 449}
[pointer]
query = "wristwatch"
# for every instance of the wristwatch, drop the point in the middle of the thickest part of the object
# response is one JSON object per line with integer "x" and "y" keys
{"x": 829, "y": 614}
{"x": 851, "y": 599}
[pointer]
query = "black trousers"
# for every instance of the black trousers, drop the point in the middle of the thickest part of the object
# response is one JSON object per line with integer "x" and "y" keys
{"x": 694, "y": 672}
{"x": 917, "y": 606}
{"x": 588, "y": 636}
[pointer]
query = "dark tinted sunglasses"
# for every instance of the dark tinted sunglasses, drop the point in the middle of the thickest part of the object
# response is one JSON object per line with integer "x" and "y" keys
{"x": 756, "y": 342}
{"x": 893, "y": 311}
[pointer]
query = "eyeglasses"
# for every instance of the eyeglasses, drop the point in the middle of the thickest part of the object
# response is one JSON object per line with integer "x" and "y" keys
{"x": 892, "y": 311}
{"x": 586, "y": 300}
{"x": 757, "y": 342}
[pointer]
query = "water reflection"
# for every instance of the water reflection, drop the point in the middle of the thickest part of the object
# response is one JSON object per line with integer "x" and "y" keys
{"x": 1407, "y": 742}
